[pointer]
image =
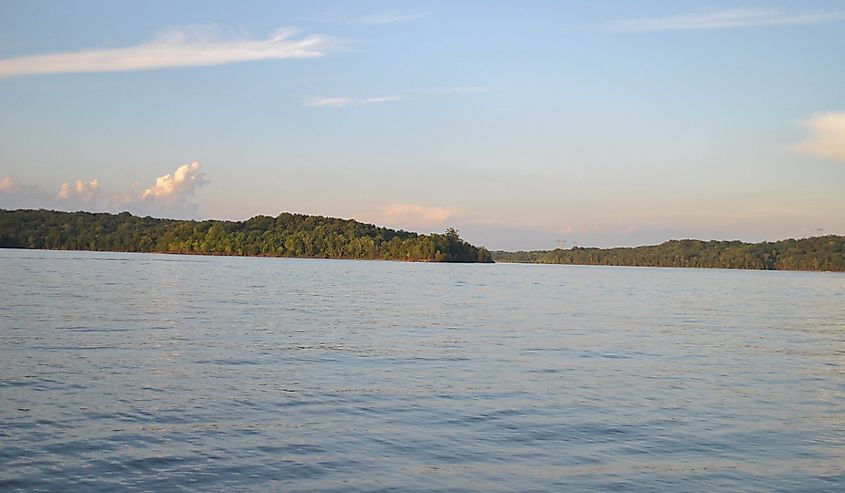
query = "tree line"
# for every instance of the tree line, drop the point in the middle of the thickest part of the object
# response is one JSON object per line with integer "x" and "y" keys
{"x": 287, "y": 235}
{"x": 822, "y": 253}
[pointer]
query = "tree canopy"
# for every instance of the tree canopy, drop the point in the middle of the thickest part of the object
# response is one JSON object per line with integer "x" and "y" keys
{"x": 287, "y": 235}
{"x": 823, "y": 253}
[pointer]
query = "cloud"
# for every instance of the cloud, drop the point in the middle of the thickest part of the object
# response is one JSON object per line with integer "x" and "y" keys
{"x": 14, "y": 195}
{"x": 176, "y": 48}
{"x": 828, "y": 136}
{"x": 339, "y": 102}
{"x": 415, "y": 216}
{"x": 168, "y": 196}
{"x": 321, "y": 102}
{"x": 83, "y": 191}
{"x": 726, "y": 19}
{"x": 176, "y": 187}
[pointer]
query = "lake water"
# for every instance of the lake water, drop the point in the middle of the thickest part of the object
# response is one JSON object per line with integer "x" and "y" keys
{"x": 163, "y": 373}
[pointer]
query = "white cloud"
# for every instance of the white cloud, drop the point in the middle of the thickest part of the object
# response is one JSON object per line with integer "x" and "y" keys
{"x": 83, "y": 191}
{"x": 828, "y": 136}
{"x": 169, "y": 196}
{"x": 339, "y": 102}
{"x": 321, "y": 102}
{"x": 176, "y": 48}
{"x": 726, "y": 19}
{"x": 176, "y": 187}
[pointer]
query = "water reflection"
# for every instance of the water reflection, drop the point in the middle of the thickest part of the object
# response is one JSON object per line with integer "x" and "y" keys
{"x": 152, "y": 372}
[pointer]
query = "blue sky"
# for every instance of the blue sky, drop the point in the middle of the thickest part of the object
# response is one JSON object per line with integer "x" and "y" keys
{"x": 523, "y": 124}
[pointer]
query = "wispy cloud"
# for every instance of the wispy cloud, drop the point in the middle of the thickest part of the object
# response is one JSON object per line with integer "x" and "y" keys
{"x": 340, "y": 102}
{"x": 191, "y": 47}
{"x": 828, "y": 136}
{"x": 337, "y": 102}
{"x": 726, "y": 19}
{"x": 414, "y": 216}
{"x": 14, "y": 195}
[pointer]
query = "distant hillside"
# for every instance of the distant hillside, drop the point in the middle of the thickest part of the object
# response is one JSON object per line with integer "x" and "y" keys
{"x": 288, "y": 235}
{"x": 823, "y": 253}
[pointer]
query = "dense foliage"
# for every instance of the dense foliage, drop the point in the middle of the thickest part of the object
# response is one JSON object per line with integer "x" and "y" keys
{"x": 288, "y": 235}
{"x": 519, "y": 257}
{"x": 820, "y": 253}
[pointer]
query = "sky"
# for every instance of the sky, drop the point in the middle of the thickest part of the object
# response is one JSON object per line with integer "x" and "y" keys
{"x": 525, "y": 125}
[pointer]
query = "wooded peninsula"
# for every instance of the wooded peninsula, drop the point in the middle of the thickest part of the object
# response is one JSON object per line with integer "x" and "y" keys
{"x": 298, "y": 235}
{"x": 287, "y": 235}
{"x": 821, "y": 253}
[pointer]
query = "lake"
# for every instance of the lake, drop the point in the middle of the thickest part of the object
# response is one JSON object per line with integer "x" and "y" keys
{"x": 142, "y": 372}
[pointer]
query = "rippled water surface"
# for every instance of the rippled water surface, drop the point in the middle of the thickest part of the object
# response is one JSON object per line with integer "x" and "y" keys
{"x": 161, "y": 373}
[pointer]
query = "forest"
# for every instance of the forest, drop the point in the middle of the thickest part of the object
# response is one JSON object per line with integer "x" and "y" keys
{"x": 299, "y": 235}
{"x": 287, "y": 235}
{"x": 821, "y": 253}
